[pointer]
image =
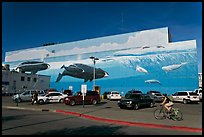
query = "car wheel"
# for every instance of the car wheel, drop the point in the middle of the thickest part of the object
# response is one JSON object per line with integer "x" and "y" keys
{"x": 121, "y": 107}
{"x": 41, "y": 102}
{"x": 136, "y": 107}
{"x": 185, "y": 101}
{"x": 94, "y": 102}
{"x": 72, "y": 102}
{"x": 61, "y": 101}
{"x": 151, "y": 104}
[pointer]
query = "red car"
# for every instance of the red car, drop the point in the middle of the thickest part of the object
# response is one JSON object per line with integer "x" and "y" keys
{"x": 92, "y": 97}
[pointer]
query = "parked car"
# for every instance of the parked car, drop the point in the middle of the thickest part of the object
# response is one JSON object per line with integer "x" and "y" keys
{"x": 133, "y": 91}
{"x": 185, "y": 97}
{"x": 91, "y": 97}
{"x": 27, "y": 95}
{"x": 114, "y": 95}
{"x": 52, "y": 97}
{"x": 199, "y": 92}
{"x": 105, "y": 95}
{"x": 68, "y": 92}
{"x": 156, "y": 96}
{"x": 136, "y": 101}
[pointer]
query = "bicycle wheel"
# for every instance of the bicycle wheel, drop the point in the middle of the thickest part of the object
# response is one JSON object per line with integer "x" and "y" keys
{"x": 159, "y": 114}
{"x": 177, "y": 115}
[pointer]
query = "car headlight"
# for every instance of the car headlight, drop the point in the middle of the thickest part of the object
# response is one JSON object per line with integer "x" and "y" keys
{"x": 130, "y": 102}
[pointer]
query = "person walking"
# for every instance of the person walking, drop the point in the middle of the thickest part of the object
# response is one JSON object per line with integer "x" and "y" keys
{"x": 35, "y": 97}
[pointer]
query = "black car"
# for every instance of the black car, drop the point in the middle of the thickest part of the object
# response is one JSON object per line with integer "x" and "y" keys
{"x": 156, "y": 96}
{"x": 136, "y": 101}
{"x": 133, "y": 91}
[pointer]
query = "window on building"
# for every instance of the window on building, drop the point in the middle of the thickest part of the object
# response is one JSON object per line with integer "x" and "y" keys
{"x": 22, "y": 78}
{"x": 34, "y": 79}
{"x": 28, "y": 78}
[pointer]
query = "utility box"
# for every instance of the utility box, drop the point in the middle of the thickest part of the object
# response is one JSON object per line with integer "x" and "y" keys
{"x": 98, "y": 89}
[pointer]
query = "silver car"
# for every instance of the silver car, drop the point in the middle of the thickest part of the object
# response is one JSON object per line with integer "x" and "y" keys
{"x": 26, "y": 95}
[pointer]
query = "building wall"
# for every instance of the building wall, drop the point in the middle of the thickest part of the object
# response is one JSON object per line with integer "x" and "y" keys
{"x": 169, "y": 66}
{"x": 200, "y": 79}
{"x": 16, "y": 84}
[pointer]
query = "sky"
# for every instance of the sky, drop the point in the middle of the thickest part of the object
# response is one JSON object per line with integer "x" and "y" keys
{"x": 32, "y": 24}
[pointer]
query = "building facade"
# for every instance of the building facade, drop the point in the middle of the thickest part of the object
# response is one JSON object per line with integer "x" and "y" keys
{"x": 15, "y": 82}
{"x": 144, "y": 60}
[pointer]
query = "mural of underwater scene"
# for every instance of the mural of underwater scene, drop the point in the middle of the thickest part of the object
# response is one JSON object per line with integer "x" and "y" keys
{"x": 141, "y": 60}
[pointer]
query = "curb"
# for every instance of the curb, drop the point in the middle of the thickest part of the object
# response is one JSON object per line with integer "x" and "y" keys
{"x": 148, "y": 125}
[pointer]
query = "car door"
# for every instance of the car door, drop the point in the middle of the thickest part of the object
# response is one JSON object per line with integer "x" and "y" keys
{"x": 175, "y": 96}
{"x": 56, "y": 97}
{"x": 51, "y": 97}
{"x": 26, "y": 96}
{"x": 87, "y": 98}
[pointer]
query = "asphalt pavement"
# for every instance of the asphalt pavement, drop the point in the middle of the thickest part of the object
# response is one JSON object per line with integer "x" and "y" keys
{"x": 108, "y": 111}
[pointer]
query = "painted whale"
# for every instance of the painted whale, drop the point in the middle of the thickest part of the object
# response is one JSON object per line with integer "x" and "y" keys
{"x": 33, "y": 66}
{"x": 173, "y": 67}
{"x": 140, "y": 69}
{"x": 82, "y": 71}
{"x": 150, "y": 81}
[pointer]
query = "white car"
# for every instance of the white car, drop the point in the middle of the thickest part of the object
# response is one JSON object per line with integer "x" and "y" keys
{"x": 114, "y": 95}
{"x": 185, "y": 97}
{"x": 52, "y": 97}
{"x": 199, "y": 92}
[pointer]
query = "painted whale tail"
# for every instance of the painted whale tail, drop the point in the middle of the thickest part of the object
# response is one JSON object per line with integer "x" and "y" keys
{"x": 59, "y": 77}
{"x": 62, "y": 67}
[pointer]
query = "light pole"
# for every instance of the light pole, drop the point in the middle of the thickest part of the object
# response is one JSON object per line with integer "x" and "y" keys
{"x": 94, "y": 61}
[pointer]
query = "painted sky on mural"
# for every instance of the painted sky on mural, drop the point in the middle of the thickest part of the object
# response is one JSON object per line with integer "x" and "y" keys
{"x": 29, "y": 25}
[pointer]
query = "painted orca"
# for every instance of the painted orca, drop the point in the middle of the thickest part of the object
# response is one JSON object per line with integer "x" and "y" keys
{"x": 81, "y": 71}
{"x": 33, "y": 66}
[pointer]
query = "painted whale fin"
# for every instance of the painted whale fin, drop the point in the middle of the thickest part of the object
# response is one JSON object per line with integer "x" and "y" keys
{"x": 59, "y": 77}
{"x": 91, "y": 79}
{"x": 85, "y": 80}
{"x": 62, "y": 66}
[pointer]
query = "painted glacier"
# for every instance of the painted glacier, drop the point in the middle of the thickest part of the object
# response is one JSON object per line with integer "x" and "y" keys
{"x": 144, "y": 60}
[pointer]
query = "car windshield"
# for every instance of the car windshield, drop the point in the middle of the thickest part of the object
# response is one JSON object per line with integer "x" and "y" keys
{"x": 158, "y": 94}
{"x": 192, "y": 93}
{"x": 131, "y": 96}
{"x": 115, "y": 93}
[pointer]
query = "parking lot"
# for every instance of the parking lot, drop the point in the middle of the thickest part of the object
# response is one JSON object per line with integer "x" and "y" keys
{"x": 192, "y": 113}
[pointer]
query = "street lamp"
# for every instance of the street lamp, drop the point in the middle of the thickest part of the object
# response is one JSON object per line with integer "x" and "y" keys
{"x": 94, "y": 61}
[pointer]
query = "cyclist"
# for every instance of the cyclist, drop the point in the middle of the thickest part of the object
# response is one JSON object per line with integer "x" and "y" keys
{"x": 168, "y": 102}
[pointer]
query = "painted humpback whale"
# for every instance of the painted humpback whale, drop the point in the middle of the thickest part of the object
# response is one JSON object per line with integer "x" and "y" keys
{"x": 152, "y": 81}
{"x": 33, "y": 66}
{"x": 81, "y": 71}
{"x": 173, "y": 67}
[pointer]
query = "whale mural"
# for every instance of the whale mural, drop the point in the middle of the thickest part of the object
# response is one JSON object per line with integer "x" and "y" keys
{"x": 152, "y": 81}
{"x": 140, "y": 69}
{"x": 82, "y": 71}
{"x": 142, "y": 60}
{"x": 33, "y": 66}
{"x": 173, "y": 67}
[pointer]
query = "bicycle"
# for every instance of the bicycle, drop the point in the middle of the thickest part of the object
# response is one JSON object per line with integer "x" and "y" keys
{"x": 161, "y": 113}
